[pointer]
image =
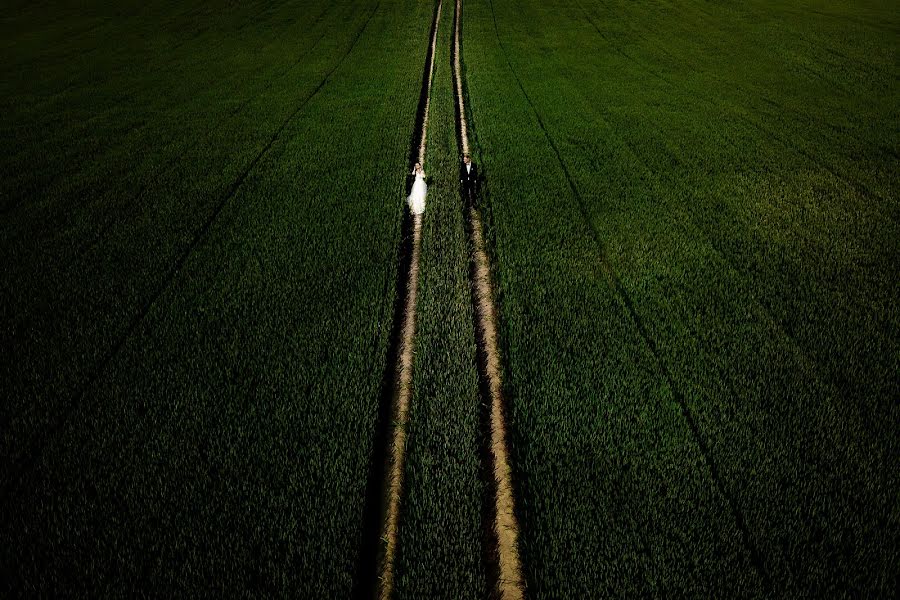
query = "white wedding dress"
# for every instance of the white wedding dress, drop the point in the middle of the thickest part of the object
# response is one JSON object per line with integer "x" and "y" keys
{"x": 416, "y": 198}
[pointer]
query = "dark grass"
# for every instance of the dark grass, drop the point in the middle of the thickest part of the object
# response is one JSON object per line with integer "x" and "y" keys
{"x": 53, "y": 425}
{"x": 692, "y": 216}
{"x": 63, "y": 321}
{"x": 588, "y": 409}
{"x": 725, "y": 172}
{"x": 225, "y": 445}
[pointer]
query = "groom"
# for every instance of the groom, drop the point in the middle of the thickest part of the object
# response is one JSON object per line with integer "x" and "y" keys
{"x": 468, "y": 179}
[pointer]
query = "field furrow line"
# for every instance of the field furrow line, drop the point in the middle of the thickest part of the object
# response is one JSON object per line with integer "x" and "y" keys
{"x": 857, "y": 186}
{"x": 837, "y": 381}
{"x": 510, "y": 582}
{"x": 403, "y": 375}
{"x": 30, "y": 458}
{"x": 615, "y": 284}
{"x": 154, "y": 178}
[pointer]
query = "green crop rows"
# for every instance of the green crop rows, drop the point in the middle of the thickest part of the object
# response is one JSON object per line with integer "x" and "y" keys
{"x": 692, "y": 215}
{"x": 225, "y": 445}
{"x": 696, "y": 239}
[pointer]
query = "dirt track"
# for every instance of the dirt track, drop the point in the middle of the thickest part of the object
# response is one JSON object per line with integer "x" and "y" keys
{"x": 510, "y": 583}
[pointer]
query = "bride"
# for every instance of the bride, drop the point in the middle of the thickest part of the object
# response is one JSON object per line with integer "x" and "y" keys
{"x": 416, "y": 198}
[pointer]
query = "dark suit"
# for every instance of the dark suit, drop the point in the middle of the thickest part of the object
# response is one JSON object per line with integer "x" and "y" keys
{"x": 468, "y": 180}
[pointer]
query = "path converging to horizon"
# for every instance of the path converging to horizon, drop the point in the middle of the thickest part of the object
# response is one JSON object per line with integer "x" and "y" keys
{"x": 404, "y": 369}
{"x": 510, "y": 582}
{"x": 521, "y": 299}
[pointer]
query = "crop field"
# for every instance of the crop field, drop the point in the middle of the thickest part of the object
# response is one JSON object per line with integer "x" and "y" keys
{"x": 199, "y": 243}
{"x": 696, "y": 238}
{"x": 691, "y": 218}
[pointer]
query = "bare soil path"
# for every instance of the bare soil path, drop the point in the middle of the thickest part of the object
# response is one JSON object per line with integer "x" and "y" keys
{"x": 510, "y": 583}
{"x": 404, "y": 369}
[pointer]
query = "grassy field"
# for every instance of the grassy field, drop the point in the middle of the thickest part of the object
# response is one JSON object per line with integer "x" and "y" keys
{"x": 695, "y": 225}
{"x": 692, "y": 216}
{"x": 201, "y": 216}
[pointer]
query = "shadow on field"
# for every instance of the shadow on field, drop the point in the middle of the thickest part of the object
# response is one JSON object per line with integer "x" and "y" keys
{"x": 373, "y": 513}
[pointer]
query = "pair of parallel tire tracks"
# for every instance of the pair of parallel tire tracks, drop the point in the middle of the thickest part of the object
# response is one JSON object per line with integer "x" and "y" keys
{"x": 509, "y": 582}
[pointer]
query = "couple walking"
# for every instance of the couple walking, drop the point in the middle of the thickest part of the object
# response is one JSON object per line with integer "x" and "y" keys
{"x": 468, "y": 181}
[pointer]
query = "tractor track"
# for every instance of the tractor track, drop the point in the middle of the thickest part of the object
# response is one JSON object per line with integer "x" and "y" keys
{"x": 397, "y": 388}
{"x": 508, "y": 582}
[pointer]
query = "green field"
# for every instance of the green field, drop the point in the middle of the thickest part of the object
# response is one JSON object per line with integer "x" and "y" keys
{"x": 200, "y": 265}
{"x": 693, "y": 220}
{"x": 696, "y": 238}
